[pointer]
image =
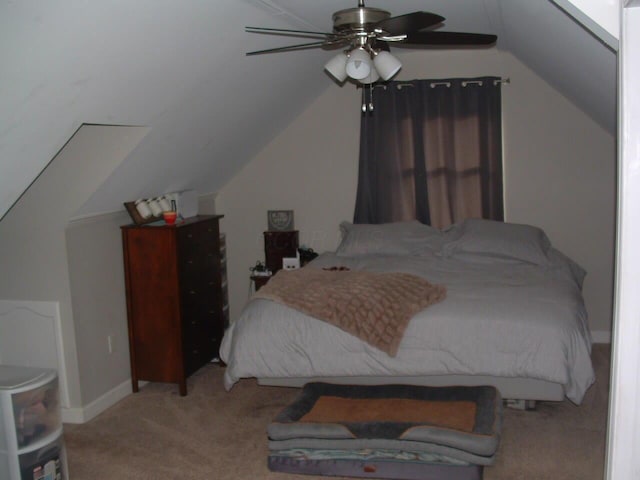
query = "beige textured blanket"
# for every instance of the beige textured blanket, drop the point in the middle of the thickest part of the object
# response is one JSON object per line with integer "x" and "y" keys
{"x": 375, "y": 307}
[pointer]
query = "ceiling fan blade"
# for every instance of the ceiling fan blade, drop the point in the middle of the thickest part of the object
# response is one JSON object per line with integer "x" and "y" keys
{"x": 411, "y": 22}
{"x": 302, "y": 33}
{"x": 265, "y": 29}
{"x": 289, "y": 48}
{"x": 446, "y": 38}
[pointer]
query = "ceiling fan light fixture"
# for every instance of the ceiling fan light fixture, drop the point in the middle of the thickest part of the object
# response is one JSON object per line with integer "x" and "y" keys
{"x": 359, "y": 64}
{"x": 337, "y": 67}
{"x": 386, "y": 64}
{"x": 373, "y": 77}
{"x": 367, "y": 34}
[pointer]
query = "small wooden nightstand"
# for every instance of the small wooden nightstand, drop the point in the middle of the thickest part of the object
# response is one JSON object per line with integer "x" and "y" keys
{"x": 278, "y": 245}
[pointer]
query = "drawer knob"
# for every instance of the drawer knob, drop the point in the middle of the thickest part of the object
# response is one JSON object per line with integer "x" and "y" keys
{"x": 192, "y": 292}
{"x": 196, "y": 352}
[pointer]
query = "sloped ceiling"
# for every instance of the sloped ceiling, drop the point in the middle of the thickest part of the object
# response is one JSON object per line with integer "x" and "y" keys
{"x": 569, "y": 57}
{"x": 180, "y": 69}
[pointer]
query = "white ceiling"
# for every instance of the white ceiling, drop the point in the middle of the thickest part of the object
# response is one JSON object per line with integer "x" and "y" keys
{"x": 180, "y": 68}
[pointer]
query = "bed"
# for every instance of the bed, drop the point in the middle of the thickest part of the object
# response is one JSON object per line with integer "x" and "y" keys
{"x": 513, "y": 317}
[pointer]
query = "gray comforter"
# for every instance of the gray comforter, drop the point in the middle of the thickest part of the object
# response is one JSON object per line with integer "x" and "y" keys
{"x": 508, "y": 319}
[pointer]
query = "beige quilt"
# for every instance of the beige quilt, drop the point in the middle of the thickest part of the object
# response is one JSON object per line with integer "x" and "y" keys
{"x": 375, "y": 307}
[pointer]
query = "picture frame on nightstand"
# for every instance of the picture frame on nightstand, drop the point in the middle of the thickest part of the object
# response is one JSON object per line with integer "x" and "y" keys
{"x": 280, "y": 220}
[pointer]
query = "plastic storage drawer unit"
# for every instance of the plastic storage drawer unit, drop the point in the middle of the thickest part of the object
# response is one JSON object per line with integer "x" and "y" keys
{"x": 31, "y": 442}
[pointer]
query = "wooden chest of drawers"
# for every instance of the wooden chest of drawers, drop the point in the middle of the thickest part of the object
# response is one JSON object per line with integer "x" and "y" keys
{"x": 173, "y": 281}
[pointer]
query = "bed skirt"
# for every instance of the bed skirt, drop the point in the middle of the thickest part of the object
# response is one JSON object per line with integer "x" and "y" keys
{"x": 512, "y": 388}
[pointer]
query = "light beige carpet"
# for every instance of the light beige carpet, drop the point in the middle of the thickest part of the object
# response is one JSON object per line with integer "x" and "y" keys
{"x": 221, "y": 435}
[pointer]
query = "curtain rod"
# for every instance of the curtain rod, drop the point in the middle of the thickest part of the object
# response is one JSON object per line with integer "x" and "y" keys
{"x": 468, "y": 82}
{"x": 369, "y": 106}
{"x": 448, "y": 84}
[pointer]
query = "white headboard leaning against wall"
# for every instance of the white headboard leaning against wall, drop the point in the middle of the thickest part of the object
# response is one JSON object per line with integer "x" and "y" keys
{"x": 30, "y": 336}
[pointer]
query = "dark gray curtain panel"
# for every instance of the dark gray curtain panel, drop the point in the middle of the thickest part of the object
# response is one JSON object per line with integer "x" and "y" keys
{"x": 431, "y": 150}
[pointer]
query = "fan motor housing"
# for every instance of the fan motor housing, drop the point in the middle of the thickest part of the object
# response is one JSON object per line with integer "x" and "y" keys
{"x": 357, "y": 18}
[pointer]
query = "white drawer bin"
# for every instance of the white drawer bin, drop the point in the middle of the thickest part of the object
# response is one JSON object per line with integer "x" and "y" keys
{"x": 31, "y": 442}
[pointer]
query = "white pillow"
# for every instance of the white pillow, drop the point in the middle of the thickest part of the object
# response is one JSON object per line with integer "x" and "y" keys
{"x": 509, "y": 241}
{"x": 400, "y": 238}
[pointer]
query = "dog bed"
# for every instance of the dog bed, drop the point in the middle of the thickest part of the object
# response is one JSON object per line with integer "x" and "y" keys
{"x": 388, "y": 431}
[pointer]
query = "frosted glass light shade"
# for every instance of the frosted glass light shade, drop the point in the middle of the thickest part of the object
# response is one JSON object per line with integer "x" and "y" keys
{"x": 373, "y": 77}
{"x": 386, "y": 64}
{"x": 337, "y": 67}
{"x": 359, "y": 64}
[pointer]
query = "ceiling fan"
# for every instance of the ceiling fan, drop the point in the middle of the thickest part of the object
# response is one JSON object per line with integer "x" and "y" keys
{"x": 366, "y": 34}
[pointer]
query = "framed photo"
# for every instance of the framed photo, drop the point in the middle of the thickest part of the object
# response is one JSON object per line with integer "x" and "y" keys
{"x": 136, "y": 217}
{"x": 280, "y": 220}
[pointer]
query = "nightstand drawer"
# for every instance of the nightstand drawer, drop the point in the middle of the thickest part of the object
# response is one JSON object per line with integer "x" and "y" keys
{"x": 278, "y": 245}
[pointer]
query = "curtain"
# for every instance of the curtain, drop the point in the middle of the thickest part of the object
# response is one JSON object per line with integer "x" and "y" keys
{"x": 431, "y": 150}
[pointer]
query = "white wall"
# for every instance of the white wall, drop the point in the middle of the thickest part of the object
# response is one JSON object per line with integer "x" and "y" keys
{"x": 33, "y": 252}
{"x": 78, "y": 265}
{"x": 604, "y": 13}
{"x": 96, "y": 275}
{"x": 178, "y": 67}
{"x": 310, "y": 168}
{"x": 559, "y": 173}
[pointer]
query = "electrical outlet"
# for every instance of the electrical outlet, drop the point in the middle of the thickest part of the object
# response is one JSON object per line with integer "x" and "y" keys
{"x": 292, "y": 263}
{"x": 111, "y": 343}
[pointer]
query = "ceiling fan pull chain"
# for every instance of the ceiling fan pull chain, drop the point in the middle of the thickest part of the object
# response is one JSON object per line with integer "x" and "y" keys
{"x": 371, "y": 97}
{"x": 364, "y": 102}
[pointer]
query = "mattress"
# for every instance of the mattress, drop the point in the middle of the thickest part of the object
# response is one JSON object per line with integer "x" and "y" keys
{"x": 500, "y": 319}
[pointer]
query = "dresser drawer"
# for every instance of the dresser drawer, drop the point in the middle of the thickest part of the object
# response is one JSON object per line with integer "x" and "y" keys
{"x": 201, "y": 317}
{"x": 196, "y": 255}
{"x": 200, "y": 297}
{"x": 200, "y": 349}
{"x": 202, "y": 233}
